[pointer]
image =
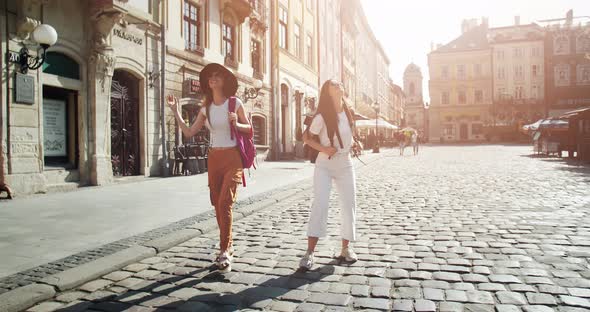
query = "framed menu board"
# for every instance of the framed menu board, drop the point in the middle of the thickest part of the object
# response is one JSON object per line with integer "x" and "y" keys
{"x": 55, "y": 128}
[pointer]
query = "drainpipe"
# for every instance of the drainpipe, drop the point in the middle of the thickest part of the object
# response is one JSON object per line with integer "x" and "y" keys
{"x": 165, "y": 165}
{"x": 274, "y": 78}
{"x": 3, "y": 185}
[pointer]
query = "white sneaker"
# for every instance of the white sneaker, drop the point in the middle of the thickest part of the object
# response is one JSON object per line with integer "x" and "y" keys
{"x": 348, "y": 255}
{"x": 307, "y": 261}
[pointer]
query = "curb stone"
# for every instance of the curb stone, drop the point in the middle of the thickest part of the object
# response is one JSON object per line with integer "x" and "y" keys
{"x": 24, "y": 297}
{"x": 27, "y": 296}
{"x": 92, "y": 270}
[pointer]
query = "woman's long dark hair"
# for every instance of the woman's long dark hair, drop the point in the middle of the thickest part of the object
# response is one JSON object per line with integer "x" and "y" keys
{"x": 328, "y": 112}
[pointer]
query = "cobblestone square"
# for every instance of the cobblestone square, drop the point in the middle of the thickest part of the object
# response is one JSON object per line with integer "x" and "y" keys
{"x": 456, "y": 228}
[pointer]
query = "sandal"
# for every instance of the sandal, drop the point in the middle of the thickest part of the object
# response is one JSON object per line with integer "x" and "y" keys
{"x": 224, "y": 262}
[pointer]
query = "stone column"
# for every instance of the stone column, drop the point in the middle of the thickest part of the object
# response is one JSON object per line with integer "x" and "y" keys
{"x": 101, "y": 66}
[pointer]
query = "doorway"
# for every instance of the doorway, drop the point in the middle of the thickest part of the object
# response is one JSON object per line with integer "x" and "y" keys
{"x": 125, "y": 156}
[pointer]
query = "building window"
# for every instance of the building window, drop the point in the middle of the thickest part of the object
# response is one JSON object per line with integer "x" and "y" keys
{"x": 309, "y": 5}
{"x": 461, "y": 72}
{"x": 192, "y": 26}
{"x": 478, "y": 96}
{"x": 501, "y": 93}
{"x": 501, "y": 73}
{"x": 445, "y": 72}
{"x": 449, "y": 130}
{"x": 259, "y": 129}
{"x": 517, "y": 52}
{"x": 500, "y": 54}
{"x": 256, "y": 55}
{"x": 477, "y": 70}
{"x": 297, "y": 33}
{"x": 228, "y": 41}
{"x": 283, "y": 22}
{"x": 561, "y": 45}
{"x": 518, "y": 72}
{"x": 583, "y": 43}
{"x": 535, "y": 70}
{"x": 462, "y": 97}
{"x": 535, "y": 92}
{"x": 412, "y": 89}
{"x": 519, "y": 92}
{"x": 445, "y": 98}
{"x": 309, "y": 47}
{"x": 562, "y": 75}
{"x": 536, "y": 52}
{"x": 477, "y": 129}
{"x": 583, "y": 71}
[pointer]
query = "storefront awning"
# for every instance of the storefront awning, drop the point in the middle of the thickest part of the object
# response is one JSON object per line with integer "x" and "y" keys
{"x": 370, "y": 123}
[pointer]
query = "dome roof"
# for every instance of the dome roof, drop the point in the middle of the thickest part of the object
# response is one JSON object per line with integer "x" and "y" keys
{"x": 412, "y": 69}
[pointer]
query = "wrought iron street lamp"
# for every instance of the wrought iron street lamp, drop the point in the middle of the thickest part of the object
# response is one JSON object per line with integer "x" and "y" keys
{"x": 45, "y": 36}
{"x": 252, "y": 93}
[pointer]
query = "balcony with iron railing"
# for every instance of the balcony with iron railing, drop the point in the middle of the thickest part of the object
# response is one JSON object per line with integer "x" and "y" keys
{"x": 258, "y": 17}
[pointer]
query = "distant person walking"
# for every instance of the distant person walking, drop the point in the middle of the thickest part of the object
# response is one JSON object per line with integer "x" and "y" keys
{"x": 333, "y": 124}
{"x": 224, "y": 163}
{"x": 402, "y": 143}
{"x": 415, "y": 143}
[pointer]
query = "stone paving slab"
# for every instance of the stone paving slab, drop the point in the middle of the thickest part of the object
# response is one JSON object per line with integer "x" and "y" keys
{"x": 453, "y": 229}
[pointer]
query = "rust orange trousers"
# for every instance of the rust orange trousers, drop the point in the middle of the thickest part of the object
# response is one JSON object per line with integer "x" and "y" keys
{"x": 225, "y": 173}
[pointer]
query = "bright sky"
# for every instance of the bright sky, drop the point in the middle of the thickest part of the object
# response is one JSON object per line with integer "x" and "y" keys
{"x": 406, "y": 28}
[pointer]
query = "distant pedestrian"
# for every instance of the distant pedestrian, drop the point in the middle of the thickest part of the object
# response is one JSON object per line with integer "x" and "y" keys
{"x": 333, "y": 124}
{"x": 402, "y": 143}
{"x": 224, "y": 163}
{"x": 415, "y": 143}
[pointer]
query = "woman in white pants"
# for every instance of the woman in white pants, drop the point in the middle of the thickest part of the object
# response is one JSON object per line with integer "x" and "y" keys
{"x": 333, "y": 126}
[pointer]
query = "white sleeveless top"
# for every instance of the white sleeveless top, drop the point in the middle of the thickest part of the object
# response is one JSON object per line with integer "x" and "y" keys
{"x": 218, "y": 124}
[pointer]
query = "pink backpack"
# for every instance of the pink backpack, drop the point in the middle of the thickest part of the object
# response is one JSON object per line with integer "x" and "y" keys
{"x": 245, "y": 142}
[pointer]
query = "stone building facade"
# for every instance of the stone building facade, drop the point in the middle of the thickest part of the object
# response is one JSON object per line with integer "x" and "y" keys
{"x": 92, "y": 115}
{"x": 297, "y": 28}
{"x": 232, "y": 33}
{"x": 461, "y": 86}
{"x": 518, "y": 73}
{"x": 414, "y": 109}
{"x": 567, "y": 63}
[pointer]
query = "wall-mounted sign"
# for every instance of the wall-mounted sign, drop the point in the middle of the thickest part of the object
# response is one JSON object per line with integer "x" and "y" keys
{"x": 192, "y": 87}
{"x": 54, "y": 128}
{"x": 24, "y": 89}
{"x": 127, "y": 36}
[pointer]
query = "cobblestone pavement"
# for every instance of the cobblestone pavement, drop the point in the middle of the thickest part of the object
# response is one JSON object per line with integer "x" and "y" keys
{"x": 457, "y": 228}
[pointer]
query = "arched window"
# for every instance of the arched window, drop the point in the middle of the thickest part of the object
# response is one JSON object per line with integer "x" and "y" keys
{"x": 230, "y": 39}
{"x": 412, "y": 89}
{"x": 259, "y": 127}
{"x": 583, "y": 43}
{"x": 561, "y": 45}
{"x": 61, "y": 65}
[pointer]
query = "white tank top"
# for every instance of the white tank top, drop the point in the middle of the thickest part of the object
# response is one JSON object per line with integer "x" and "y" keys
{"x": 218, "y": 124}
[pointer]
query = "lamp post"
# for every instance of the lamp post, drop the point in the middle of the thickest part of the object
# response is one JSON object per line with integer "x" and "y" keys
{"x": 252, "y": 93}
{"x": 45, "y": 36}
{"x": 376, "y": 146}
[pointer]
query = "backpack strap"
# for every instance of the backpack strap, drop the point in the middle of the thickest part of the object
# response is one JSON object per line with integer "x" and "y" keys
{"x": 232, "y": 109}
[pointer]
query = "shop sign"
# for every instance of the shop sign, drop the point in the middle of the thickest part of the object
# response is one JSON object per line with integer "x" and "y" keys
{"x": 24, "y": 89}
{"x": 54, "y": 128}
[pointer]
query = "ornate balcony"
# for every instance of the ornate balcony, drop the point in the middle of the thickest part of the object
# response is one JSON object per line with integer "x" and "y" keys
{"x": 242, "y": 8}
{"x": 258, "y": 17}
{"x": 230, "y": 62}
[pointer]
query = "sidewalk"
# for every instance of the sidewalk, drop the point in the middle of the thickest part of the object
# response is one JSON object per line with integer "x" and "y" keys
{"x": 41, "y": 229}
{"x": 44, "y": 228}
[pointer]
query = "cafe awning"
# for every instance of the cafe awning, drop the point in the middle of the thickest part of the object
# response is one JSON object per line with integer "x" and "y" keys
{"x": 380, "y": 123}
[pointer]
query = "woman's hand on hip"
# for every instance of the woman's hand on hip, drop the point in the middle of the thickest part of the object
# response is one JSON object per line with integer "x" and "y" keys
{"x": 330, "y": 151}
